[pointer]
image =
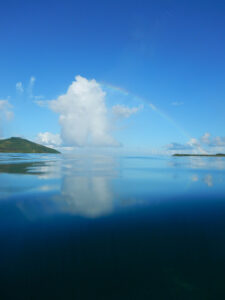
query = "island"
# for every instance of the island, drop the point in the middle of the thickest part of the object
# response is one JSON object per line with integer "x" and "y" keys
{"x": 202, "y": 155}
{"x": 20, "y": 145}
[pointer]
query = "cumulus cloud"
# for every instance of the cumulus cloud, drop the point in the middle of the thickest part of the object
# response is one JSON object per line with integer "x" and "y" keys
{"x": 205, "y": 144}
{"x": 49, "y": 139}
{"x": 83, "y": 114}
{"x": 192, "y": 146}
{"x": 217, "y": 142}
{"x": 19, "y": 87}
{"x": 125, "y": 111}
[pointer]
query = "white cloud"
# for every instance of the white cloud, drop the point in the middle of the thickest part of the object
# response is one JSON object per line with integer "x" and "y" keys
{"x": 125, "y": 111}
{"x": 19, "y": 87}
{"x": 206, "y": 144}
{"x": 218, "y": 141}
{"x": 215, "y": 143}
{"x": 39, "y": 97}
{"x": 192, "y": 146}
{"x": 29, "y": 89}
{"x": 42, "y": 103}
{"x": 6, "y": 110}
{"x": 205, "y": 139}
{"x": 176, "y": 103}
{"x": 193, "y": 142}
{"x": 49, "y": 139}
{"x": 32, "y": 80}
{"x": 6, "y": 113}
{"x": 9, "y": 115}
{"x": 83, "y": 114}
{"x": 31, "y": 85}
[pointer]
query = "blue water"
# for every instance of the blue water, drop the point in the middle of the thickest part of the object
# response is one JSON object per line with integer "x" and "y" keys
{"x": 111, "y": 227}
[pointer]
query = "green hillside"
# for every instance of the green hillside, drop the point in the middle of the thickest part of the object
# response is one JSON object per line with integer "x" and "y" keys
{"x": 19, "y": 145}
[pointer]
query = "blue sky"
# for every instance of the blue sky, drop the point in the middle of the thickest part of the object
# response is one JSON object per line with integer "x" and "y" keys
{"x": 159, "y": 64}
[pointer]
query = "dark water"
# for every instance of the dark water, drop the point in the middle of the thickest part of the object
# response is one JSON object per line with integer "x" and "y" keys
{"x": 104, "y": 227}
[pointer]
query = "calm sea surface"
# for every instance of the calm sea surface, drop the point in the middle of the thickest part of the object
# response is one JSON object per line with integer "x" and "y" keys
{"x": 111, "y": 227}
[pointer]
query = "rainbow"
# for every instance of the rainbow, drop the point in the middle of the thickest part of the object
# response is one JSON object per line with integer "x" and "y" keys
{"x": 154, "y": 108}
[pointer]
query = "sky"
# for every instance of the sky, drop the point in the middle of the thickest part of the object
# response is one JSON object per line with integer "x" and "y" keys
{"x": 129, "y": 75}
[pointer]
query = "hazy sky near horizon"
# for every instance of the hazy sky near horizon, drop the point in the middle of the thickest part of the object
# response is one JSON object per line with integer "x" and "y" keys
{"x": 132, "y": 74}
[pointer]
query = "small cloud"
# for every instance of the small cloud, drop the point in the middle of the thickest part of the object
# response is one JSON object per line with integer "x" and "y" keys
{"x": 42, "y": 103}
{"x": 205, "y": 139}
{"x": 218, "y": 141}
{"x": 203, "y": 145}
{"x": 39, "y": 97}
{"x": 177, "y": 103}
{"x": 6, "y": 110}
{"x": 6, "y": 113}
{"x": 31, "y": 85}
{"x": 9, "y": 115}
{"x": 32, "y": 80}
{"x": 125, "y": 111}
{"x": 193, "y": 142}
{"x": 19, "y": 87}
{"x": 213, "y": 142}
{"x": 49, "y": 139}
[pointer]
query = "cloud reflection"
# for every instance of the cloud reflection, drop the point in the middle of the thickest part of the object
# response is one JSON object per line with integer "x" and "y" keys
{"x": 210, "y": 163}
{"x": 89, "y": 197}
{"x": 207, "y": 179}
{"x": 83, "y": 187}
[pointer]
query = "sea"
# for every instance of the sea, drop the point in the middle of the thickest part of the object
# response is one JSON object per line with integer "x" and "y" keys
{"x": 109, "y": 226}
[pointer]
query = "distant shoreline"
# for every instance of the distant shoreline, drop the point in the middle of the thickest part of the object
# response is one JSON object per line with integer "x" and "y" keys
{"x": 202, "y": 155}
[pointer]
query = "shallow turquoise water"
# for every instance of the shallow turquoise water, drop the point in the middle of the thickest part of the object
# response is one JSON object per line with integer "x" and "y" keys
{"x": 111, "y": 227}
